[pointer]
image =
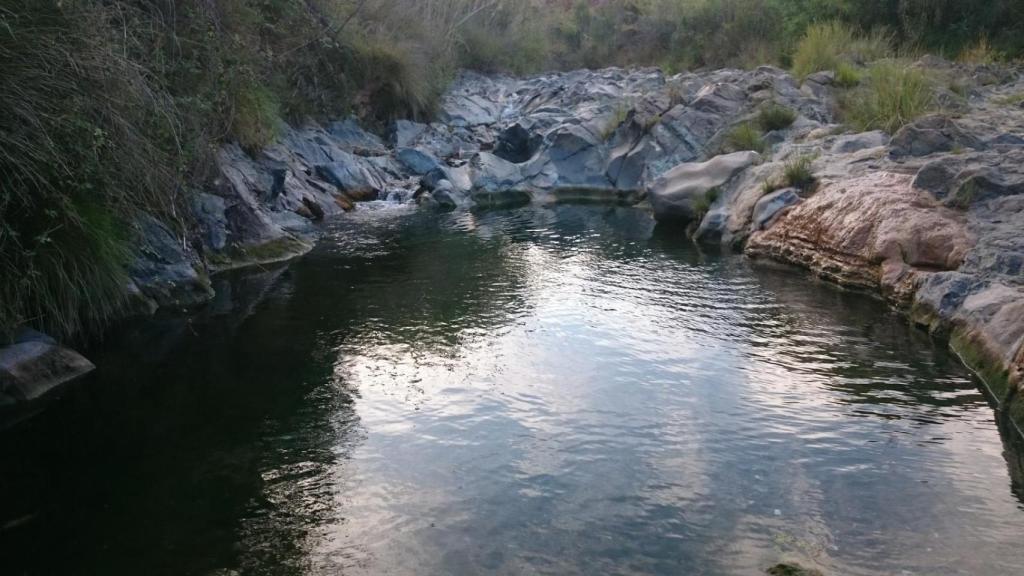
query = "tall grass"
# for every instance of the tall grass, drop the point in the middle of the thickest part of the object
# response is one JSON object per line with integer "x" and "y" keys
{"x": 835, "y": 45}
{"x": 86, "y": 139}
{"x": 893, "y": 95}
{"x": 745, "y": 136}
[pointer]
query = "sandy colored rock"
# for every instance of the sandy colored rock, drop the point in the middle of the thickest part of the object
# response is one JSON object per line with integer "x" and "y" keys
{"x": 874, "y": 231}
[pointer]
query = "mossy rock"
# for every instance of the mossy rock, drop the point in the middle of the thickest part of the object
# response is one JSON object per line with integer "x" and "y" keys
{"x": 276, "y": 250}
{"x": 987, "y": 365}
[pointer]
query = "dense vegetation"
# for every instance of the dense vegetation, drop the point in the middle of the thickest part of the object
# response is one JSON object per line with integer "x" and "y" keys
{"x": 114, "y": 106}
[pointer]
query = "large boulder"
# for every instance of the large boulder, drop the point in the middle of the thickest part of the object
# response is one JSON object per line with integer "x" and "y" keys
{"x": 932, "y": 134}
{"x": 874, "y": 232}
{"x": 352, "y": 177}
{"x": 418, "y": 160}
{"x": 677, "y": 194}
{"x": 496, "y": 181}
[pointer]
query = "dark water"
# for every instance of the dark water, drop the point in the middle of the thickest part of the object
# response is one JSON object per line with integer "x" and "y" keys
{"x": 543, "y": 391}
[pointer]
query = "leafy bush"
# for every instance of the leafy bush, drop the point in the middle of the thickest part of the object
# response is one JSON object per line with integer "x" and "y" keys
{"x": 893, "y": 95}
{"x": 773, "y": 116}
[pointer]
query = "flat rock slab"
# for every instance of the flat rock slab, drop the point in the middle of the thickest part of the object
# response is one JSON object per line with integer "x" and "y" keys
{"x": 29, "y": 370}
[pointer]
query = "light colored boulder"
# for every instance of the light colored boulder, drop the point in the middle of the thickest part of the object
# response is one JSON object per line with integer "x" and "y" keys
{"x": 676, "y": 193}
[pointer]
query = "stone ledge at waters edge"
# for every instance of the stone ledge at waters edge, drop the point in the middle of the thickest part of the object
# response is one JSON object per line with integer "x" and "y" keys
{"x": 931, "y": 217}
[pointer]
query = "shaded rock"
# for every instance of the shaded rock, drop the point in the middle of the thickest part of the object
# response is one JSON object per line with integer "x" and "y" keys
{"x": 517, "y": 144}
{"x": 792, "y": 569}
{"x": 674, "y": 195}
{"x": 932, "y": 134}
{"x": 965, "y": 179}
{"x": 770, "y": 205}
{"x": 164, "y": 270}
{"x": 352, "y": 138}
{"x": 351, "y": 177}
{"x": 417, "y": 160}
{"x": 30, "y": 369}
{"x": 209, "y": 213}
{"x": 440, "y": 198}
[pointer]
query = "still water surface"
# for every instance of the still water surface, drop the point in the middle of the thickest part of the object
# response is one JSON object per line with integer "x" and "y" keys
{"x": 539, "y": 391}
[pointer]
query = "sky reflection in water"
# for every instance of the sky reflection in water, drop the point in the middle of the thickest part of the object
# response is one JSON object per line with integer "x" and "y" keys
{"x": 561, "y": 391}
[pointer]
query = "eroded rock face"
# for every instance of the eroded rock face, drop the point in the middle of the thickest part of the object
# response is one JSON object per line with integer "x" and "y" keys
{"x": 934, "y": 220}
{"x": 874, "y": 231}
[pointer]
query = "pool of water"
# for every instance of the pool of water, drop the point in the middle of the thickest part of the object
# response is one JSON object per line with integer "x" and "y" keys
{"x": 540, "y": 391}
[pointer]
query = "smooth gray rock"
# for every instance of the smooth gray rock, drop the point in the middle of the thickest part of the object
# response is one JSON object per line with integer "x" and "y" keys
{"x": 352, "y": 138}
{"x": 405, "y": 133}
{"x": 492, "y": 175}
{"x": 417, "y": 160}
{"x": 855, "y": 142}
{"x": 770, "y": 205}
{"x": 674, "y": 195}
{"x": 352, "y": 177}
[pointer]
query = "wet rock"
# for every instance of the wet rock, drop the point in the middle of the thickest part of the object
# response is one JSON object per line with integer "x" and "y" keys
{"x": 675, "y": 195}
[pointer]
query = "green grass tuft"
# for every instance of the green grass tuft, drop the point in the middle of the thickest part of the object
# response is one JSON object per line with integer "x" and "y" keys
{"x": 893, "y": 95}
{"x": 847, "y": 75}
{"x": 797, "y": 173}
{"x": 745, "y": 136}
{"x": 773, "y": 116}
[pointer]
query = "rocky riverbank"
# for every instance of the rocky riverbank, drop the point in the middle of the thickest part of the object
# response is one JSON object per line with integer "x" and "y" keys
{"x": 931, "y": 217}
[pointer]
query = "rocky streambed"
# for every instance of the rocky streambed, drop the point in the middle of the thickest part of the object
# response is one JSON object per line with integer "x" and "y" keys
{"x": 931, "y": 217}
